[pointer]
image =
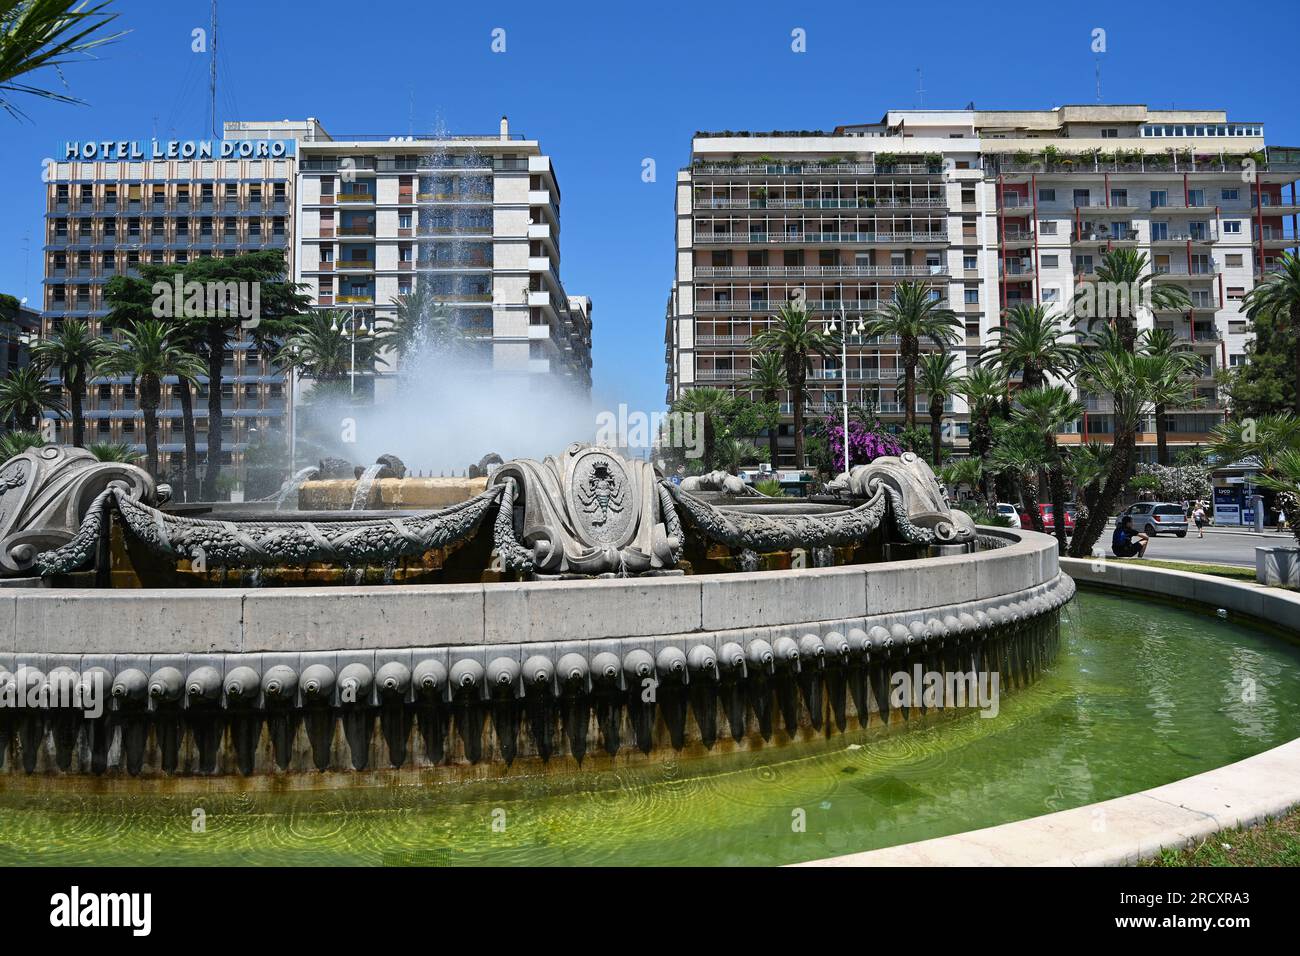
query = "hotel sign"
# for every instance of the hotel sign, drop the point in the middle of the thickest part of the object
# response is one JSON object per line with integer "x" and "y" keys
{"x": 138, "y": 149}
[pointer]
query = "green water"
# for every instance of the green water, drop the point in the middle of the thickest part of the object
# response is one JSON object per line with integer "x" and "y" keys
{"x": 1142, "y": 694}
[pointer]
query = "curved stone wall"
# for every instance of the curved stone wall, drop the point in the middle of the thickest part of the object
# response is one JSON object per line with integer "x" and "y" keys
{"x": 268, "y": 680}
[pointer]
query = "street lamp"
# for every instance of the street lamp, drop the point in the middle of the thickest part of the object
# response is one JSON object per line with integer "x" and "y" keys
{"x": 856, "y": 329}
{"x": 351, "y": 322}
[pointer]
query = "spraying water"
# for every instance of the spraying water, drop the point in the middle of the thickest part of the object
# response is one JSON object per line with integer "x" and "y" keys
{"x": 361, "y": 496}
{"x": 291, "y": 486}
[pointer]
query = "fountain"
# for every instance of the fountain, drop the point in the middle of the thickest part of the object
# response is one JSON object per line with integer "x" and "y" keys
{"x": 574, "y": 610}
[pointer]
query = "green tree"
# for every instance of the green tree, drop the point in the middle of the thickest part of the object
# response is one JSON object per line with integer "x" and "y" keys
{"x": 1273, "y": 441}
{"x": 914, "y": 315}
{"x": 215, "y": 327}
{"x": 1277, "y": 299}
{"x": 1124, "y": 282}
{"x": 13, "y": 444}
{"x": 707, "y": 403}
{"x": 146, "y": 355}
{"x": 793, "y": 336}
{"x": 43, "y": 34}
{"x": 320, "y": 347}
{"x": 1031, "y": 342}
{"x": 73, "y": 350}
{"x": 1171, "y": 384}
{"x": 1018, "y": 452}
{"x": 937, "y": 377}
{"x": 767, "y": 377}
{"x": 422, "y": 325}
{"x": 1130, "y": 379}
{"x": 1047, "y": 411}
{"x": 1264, "y": 384}
{"x": 114, "y": 451}
{"x": 24, "y": 395}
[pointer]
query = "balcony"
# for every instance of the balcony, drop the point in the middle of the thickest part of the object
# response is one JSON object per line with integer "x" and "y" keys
{"x": 783, "y": 169}
{"x": 352, "y": 265}
{"x": 366, "y": 230}
{"x": 1088, "y": 233}
{"x": 814, "y": 238}
{"x": 367, "y": 298}
{"x": 355, "y": 198}
{"x": 1182, "y": 271}
{"x": 855, "y": 270}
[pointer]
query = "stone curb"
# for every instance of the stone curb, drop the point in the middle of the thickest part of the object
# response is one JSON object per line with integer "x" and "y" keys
{"x": 1134, "y": 827}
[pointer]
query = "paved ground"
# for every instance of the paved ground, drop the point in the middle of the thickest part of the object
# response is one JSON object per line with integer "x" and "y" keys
{"x": 1218, "y": 547}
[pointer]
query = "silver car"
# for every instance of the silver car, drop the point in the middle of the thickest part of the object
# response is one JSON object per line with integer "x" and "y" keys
{"x": 1157, "y": 517}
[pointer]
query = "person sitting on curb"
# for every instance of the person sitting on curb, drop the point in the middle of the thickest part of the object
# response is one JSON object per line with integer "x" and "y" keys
{"x": 1126, "y": 543}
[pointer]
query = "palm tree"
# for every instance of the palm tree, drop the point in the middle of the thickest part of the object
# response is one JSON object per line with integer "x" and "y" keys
{"x": 708, "y": 404}
{"x": 792, "y": 335}
{"x": 914, "y": 314}
{"x": 146, "y": 354}
{"x": 1171, "y": 386}
{"x": 1130, "y": 379}
{"x": 1031, "y": 342}
{"x": 1047, "y": 411}
{"x": 1273, "y": 441}
{"x": 422, "y": 326}
{"x": 73, "y": 349}
{"x": 1124, "y": 283}
{"x": 46, "y": 33}
{"x": 320, "y": 347}
{"x": 767, "y": 377}
{"x": 935, "y": 377}
{"x": 24, "y": 395}
{"x": 1278, "y": 298}
{"x": 131, "y": 299}
{"x": 114, "y": 451}
{"x": 15, "y": 443}
{"x": 964, "y": 471}
{"x": 1017, "y": 453}
{"x": 733, "y": 452}
{"x": 985, "y": 391}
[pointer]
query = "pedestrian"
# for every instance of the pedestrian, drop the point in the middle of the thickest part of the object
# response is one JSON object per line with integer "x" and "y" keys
{"x": 1125, "y": 543}
{"x": 1199, "y": 517}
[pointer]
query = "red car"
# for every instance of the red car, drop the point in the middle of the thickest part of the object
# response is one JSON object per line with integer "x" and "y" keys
{"x": 1049, "y": 519}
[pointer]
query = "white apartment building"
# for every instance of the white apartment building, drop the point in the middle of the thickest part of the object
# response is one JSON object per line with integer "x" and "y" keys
{"x": 477, "y": 218}
{"x": 989, "y": 208}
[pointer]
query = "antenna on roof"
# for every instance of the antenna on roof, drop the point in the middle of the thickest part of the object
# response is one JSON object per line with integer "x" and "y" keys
{"x": 920, "y": 90}
{"x": 212, "y": 75}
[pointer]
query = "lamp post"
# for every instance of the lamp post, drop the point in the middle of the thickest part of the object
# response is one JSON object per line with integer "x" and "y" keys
{"x": 352, "y": 324}
{"x": 857, "y": 329}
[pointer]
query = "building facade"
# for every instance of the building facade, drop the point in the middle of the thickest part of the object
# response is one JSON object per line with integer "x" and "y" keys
{"x": 113, "y": 205}
{"x": 473, "y": 220}
{"x": 989, "y": 209}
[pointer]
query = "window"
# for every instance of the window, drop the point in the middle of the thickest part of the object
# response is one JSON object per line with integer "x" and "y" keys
{"x": 1236, "y": 293}
{"x": 1051, "y": 294}
{"x": 404, "y": 220}
{"x": 1119, "y": 197}
{"x": 1196, "y": 197}
{"x": 970, "y": 263}
{"x": 1236, "y": 360}
{"x": 1228, "y": 195}
{"x": 1159, "y": 231}
{"x": 1109, "y": 132}
{"x": 1082, "y": 197}
{"x": 1047, "y": 227}
{"x": 1233, "y": 260}
{"x": 1232, "y": 227}
{"x": 1159, "y": 197}
{"x": 1050, "y": 262}
{"x": 1047, "y": 195}
{"x": 972, "y": 296}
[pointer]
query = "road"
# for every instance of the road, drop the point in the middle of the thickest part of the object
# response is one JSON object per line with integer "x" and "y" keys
{"x": 1217, "y": 547}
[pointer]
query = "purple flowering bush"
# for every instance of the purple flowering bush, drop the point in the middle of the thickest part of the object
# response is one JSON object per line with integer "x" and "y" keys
{"x": 865, "y": 443}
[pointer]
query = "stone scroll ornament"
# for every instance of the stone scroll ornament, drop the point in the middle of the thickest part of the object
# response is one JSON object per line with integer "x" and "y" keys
{"x": 270, "y": 542}
{"x": 918, "y": 506}
{"x": 48, "y": 493}
{"x": 588, "y": 511}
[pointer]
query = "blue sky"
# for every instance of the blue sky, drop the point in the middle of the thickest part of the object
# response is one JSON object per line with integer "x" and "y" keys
{"x": 604, "y": 86}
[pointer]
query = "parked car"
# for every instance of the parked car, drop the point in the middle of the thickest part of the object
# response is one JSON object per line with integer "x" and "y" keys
{"x": 1009, "y": 512}
{"x": 1157, "y": 517}
{"x": 1049, "y": 519}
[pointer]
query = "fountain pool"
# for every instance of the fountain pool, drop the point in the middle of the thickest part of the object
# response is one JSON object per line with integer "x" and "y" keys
{"x": 1142, "y": 694}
